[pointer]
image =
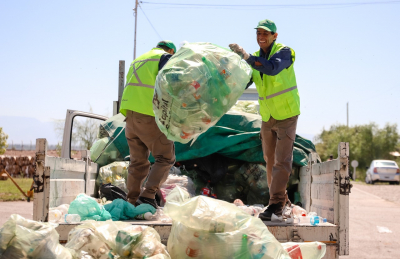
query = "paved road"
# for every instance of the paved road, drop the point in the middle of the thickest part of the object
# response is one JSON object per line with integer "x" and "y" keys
{"x": 367, "y": 213}
{"x": 25, "y": 209}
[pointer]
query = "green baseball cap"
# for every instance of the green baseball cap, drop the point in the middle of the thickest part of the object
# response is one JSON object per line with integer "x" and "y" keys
{"x": 168, "y": 44}
{"x": 267, "y": 25}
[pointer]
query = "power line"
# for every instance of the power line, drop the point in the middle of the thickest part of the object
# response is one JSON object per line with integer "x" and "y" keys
{"x": 149, "y": 21}
{"x": 327, "y": 5}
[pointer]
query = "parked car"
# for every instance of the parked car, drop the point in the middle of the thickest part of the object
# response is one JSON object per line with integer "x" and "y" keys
{"x": 383, "y": 171}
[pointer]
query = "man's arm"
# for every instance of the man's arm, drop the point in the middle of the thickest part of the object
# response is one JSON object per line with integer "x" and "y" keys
{"x": 279, "y": 61}
{"x": 163, "y": 60}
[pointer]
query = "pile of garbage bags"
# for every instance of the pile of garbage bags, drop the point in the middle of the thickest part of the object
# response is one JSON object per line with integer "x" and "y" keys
{"x": 197, "y": 86}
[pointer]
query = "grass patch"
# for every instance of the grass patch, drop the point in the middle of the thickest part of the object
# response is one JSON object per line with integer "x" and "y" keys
{"x": 10, "y": 192}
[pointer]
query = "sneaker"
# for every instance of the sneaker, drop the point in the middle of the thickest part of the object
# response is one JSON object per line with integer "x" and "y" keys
{"x": 144, "y": 200}
{"x": 276, "y": 209}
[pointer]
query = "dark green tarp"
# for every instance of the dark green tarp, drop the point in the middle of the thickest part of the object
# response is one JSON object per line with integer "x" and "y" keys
{"x": 236, "y": 135}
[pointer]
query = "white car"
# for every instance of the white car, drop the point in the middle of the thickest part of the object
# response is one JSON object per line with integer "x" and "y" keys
{"x": 383, "y": 171}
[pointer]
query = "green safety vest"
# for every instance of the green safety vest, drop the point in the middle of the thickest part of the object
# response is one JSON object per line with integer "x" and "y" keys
{"x": 277, "y": 95}
{"x": 140, "y": 81}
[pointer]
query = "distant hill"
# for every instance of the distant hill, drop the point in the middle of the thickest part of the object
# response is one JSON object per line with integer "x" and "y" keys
{"x": 27, "y": 129}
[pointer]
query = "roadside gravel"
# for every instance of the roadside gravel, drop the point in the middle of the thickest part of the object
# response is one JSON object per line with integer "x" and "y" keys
{"x": 385, "y": 191}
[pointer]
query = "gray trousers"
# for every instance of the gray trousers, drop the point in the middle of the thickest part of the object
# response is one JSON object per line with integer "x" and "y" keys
{"x": 143, "y": 137}
{"x": 277, "y": 138}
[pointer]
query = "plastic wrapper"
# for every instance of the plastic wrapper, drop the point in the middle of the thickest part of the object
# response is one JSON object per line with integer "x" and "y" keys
{"x": 88, "y": 208}
{"x": 123, "y": 210}
{"x": 117, "y": 239}
{"x": 309, "y": 250}
{"x": 198, "y": 85}
{"x": 209, "y": 228}
{"x": 173, "y": 181}
{"x": 115, "y": 173}
{"x": 22, "y": 238}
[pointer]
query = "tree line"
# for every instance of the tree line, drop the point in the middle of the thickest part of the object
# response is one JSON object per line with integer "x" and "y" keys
{"x": 367, "y": 142}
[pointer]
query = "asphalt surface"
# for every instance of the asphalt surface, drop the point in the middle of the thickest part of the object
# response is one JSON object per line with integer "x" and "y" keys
{"x": 371, "y": 217}
{"x": 374, "y": 211}
{"x": 23, "y": 208}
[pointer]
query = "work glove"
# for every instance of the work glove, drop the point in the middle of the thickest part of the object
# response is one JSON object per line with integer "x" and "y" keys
{"x": 239, "y": 50}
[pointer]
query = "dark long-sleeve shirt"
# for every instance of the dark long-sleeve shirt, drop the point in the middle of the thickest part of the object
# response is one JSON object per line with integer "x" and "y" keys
{"x": 273, "y": 66}
{"x": 163, "y": 60}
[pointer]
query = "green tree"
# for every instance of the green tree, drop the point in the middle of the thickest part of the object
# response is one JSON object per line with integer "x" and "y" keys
{"x": 3, "y": 141}
{"x": 367, "y": 142}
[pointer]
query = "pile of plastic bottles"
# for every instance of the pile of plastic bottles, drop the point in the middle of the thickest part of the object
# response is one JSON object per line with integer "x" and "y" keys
{"x": 198, "y": 85}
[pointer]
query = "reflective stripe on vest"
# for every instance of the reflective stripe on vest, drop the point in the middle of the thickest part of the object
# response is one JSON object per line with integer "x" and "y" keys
{"x": 278, "y": 93}
{"x": 140, "y": 81}
{"x": 137, "y": 76}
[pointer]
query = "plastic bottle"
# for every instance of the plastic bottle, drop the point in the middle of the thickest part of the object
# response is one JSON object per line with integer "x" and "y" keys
{"x": 299, "y": 211}
{"x": 244, "y": 252}
{"x": 54, "y": 215}
{"x": 206, "y": 190}
{"x": 146, "y": 216}
{"x": 316, "y": 220}
{"x": 193, "y": 248}
{"x": 72, "y": 218}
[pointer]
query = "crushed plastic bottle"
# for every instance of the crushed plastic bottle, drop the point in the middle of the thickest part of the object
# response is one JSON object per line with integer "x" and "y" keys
{"x": 72, "y": 218}
{"x": 193, "y": 248}
{"x": 299, "y": 211}
{"x": 144, "y": 216}
{"x": 55, "y": 215}
{"x": 316, "y": 220}
{"x": 206, "y": 191}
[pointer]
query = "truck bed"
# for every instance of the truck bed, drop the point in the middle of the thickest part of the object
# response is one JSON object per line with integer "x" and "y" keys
{"x": 324, "y": 188}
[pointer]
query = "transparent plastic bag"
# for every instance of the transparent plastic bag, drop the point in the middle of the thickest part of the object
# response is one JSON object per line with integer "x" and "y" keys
{"x": 210, "y": 228}
{"x": 104, "y": 151}
{"x": 23, "y": 238}
{"x": 115, "y": 173}
{"x": 253, "y": 179}
{"x": 115, "y": 239}
{"x": 88, "y": 208}
{"x": 309, "y": 250}
{"x": 173, "y": 181}
{"x": 198, "y": 85}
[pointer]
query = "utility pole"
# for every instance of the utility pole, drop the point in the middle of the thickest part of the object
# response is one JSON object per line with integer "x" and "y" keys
{"x": 134, "y": 40}
{"x": 347, "y": 114}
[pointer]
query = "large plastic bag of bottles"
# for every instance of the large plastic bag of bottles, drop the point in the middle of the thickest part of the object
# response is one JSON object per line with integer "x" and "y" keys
{"x": 251, "y": 178}
{"x": 22, "y": 238}
{"x": 115, "y": 173}
{"x": 88, "y": 208}
{"x": 115, "y": 239}
{"x": 311, "y": 250}
{"x": 204, "y": 227}
{"x": 198, "y": 85}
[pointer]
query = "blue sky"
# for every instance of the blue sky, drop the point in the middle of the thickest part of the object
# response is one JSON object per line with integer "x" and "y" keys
{"x": 58, "y": 55}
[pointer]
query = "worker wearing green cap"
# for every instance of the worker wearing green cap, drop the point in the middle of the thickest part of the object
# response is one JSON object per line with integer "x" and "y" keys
{"x": 279, "y": 100}
{"x": 142, "y": 132}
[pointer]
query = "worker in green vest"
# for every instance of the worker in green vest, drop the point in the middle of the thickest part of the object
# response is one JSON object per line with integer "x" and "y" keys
{"x": 278, "y": 96}
{"x": 141, "y": 130}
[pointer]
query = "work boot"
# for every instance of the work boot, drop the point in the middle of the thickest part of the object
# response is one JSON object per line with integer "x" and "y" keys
{"x": 144, "y": 200}
{"x": 276, "y": 209}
